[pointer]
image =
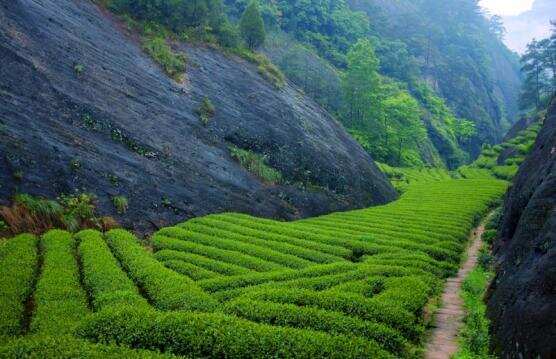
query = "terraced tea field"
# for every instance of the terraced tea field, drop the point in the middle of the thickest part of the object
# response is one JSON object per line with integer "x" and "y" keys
{"x": 344, "y": 285}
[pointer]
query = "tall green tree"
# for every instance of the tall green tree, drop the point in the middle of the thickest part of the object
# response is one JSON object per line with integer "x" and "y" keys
{"x": 361, "y": 84}
{"x": 539, "y": 69}
{"x": 251, "y": 26}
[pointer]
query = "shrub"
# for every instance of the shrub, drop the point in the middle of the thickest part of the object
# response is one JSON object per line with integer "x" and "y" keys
{"x": 494, "y": 220}
{"x": 274, "y": 276}
{"x": 60, "y": 302}
{"x": 65, "y": 346}
{"x": 489, "y": 235}
{"x": 485, "y": 259}
{"x": 37, "y": 215}
{"x": 474, "y": 336}
{"x": 256, "y": 164}
{"x": 167, "y": 289}
{"x": 271, "y": 232}
{"x": 190, "y": 270}
{"x": 219, "y": 336}
{"x": 201, "y": 261}
{"x": 223, "y": 255}
{"x": 173, "y": 64}
{"x": 505, "y": 172}
{"x": 18, "y": 267}
{"x": 237, "y": 233}
{"x": 102, "y": 276}
{"x": 206, "y": 111}
{"x": 121, "y": 203}
{"x": 288, "y": 315}
{"x": 78, "y": 69}
{"x": 347, "y": 303}
{"x": 258, "y": 251}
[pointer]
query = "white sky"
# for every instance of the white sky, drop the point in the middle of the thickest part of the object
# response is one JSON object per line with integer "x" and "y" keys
{"x": 507, "y": 7}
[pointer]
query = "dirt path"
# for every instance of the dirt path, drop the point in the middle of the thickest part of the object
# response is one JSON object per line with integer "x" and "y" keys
{"x": 443, "y": 342}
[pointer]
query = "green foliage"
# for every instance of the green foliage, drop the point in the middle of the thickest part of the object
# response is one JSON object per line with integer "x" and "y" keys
{"x": 71, "y": 212}
{"x": 60, "y": 302}
{"x": 172, "y": 63}
{"x": 251, "y": 26}
{"x": 78, "y": 211}
{"x": 361, "y": 83}
{"x": 539, "y": 68}
{"x": 328, "y": 26}
{"x": 381, "y": 115}
{"x": 103, "y": 278}
{"x": 18, "y": 263}
{"x": 490, "y": 235}
{"x": 78, "y": 68}
{"x": 192, "y": 271}
{"x": 488, "y": 164}
{"x": 305, "y": 68}
{"x": 223, "y": 255}
{"x": 291, "y": 315}
{"x": 206, "y": 111}
{"x": 455, "y": 49}
{"x": 474, "y": 336}
{"x": 121, "y": 203}
{"x": 218, "y": 335}
{"x": 248, "y": 247}
{"x": 216, "y": 266}
{"x": 204, "y": 16}
{"x": 165, "y": 288}
{"x": 256, "y": 164}
{"x": 348, "y": 284}
{"x": 3, "y": 226}
{"x": 66, "y": 346}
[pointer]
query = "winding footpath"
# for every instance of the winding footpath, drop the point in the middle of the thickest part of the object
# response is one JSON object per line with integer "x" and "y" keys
{"x": 443, "y": 342}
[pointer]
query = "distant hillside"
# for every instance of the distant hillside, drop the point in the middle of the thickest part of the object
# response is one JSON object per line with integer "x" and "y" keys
{"x": 442, "y": 53}
{"x": 531, "y": 24}
{"x": 455, "y": 52}
{"x": 84, "y": 109}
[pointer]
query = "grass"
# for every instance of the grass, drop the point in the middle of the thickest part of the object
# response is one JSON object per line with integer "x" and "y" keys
{"x": 174, "y": 64}
{"x": 256, "y": 164}
{"x": 352, "y": 284}
{"x": 206, "y": 111}
{"x": 120, "y": 203}
{"x": 37, "y": 215}
{"x": 474, "y": 336}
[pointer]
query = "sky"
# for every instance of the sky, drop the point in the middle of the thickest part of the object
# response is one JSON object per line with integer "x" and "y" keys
{"x": 507, "y": 7}
{"x": 523, "y": 19}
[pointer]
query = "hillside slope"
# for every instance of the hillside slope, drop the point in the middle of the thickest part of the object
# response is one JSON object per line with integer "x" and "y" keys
{"x": 522, "y": 304}
{"x": 83, "y": 108}
{"x": 454, "y": 50}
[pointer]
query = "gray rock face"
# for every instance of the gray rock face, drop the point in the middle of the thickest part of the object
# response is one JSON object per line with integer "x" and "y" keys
{"x": 522, "y": 302}
{"x": 83, "y": 108}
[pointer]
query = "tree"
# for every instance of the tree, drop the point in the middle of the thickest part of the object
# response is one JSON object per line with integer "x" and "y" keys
{"x": 496, "y": 26}
{"x": 361, "y": 83}
{"x": 403, "y": 114}
{"x": 251, "y": 26}
{"x": 539, "y": 68}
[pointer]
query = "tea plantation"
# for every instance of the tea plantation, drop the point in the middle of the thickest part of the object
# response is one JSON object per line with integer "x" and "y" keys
{"x": 346, "y": 285}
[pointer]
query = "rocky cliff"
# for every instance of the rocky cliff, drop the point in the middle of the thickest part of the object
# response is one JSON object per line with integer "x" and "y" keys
{"x": 522, "y": 302}
{"x": 82, "y": 108}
